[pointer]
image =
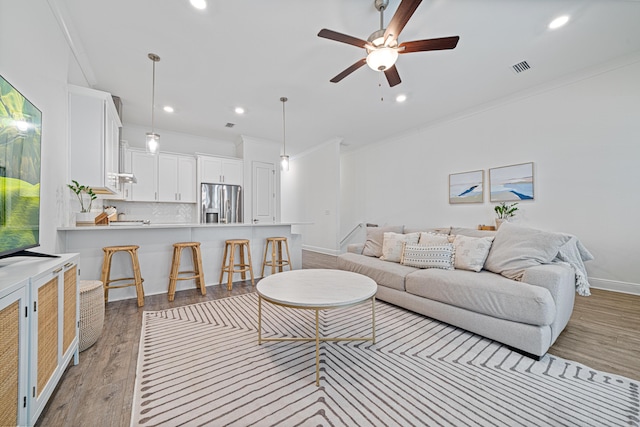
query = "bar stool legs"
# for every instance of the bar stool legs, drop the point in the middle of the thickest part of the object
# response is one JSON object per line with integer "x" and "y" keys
{"x": 230, "y": 266}
{"x": 132, "y": 250}
{"x": 276, "y": 258}
{"x": 197, "y": 273}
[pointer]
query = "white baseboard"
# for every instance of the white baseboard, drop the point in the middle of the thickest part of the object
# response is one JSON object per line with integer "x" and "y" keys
{"x": 321, "y": 250}
{"x": 616, "y": 286}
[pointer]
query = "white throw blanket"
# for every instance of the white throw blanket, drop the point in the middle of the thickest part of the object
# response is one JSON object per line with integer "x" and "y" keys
{"x": 574, "y": 253}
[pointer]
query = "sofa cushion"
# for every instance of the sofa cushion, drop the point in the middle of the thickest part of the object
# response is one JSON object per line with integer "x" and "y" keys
{"x": 384, "y": 273}
{"x": 516, "y": 248}
{"x": 428, "y": 256}
{"x": 375, "y": 236}
{"x": 471, "y": 252}
{"x": 394, "y": 243}
{"x": 428, "y": 238}
{"x": 485, "y": 293}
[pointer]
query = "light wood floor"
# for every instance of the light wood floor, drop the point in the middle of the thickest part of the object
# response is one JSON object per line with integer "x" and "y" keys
{"x": 603, "y": 333}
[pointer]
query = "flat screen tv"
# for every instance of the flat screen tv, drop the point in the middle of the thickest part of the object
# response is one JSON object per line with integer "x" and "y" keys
{"x": 20, "y": 134}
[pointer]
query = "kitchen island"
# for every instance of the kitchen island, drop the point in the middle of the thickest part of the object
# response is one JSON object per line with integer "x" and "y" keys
{"x": 156, "y": 250}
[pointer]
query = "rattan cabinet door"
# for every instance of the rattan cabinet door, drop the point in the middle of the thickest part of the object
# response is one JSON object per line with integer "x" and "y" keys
{"x": 13, "y": 345}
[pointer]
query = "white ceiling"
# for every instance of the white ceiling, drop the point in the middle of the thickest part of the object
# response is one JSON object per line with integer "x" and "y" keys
{"x": 249, "y": 53}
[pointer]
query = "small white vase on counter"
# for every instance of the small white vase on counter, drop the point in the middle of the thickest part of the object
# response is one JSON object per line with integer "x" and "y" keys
{"x": 85, "y": 218}
{"x": 499, "y": 222}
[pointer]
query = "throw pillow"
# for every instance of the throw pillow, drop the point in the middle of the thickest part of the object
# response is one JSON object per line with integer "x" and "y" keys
{"x": 375, "y": 236}
{"x": 471, "y": 252}
{"x": 428, "y": 238}
{"x": 516, "y": 248}
{"x": 392, "y": 245}
{"x": 429, "y": 256}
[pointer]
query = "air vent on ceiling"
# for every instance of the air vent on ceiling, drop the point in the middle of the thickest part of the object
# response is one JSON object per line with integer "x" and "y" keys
{"x": 520, "y": 67}
{"x": 229, "y": 125}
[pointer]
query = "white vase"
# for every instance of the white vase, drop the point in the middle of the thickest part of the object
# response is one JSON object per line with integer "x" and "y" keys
{"x": 86, "y": 218}
{"x": 499, "y": 222}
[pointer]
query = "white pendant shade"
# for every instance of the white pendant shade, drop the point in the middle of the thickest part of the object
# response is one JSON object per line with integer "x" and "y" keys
{"x": 153, "y": 142}
{"x": 284, "y": 162}
{"x": 382, "y": 58}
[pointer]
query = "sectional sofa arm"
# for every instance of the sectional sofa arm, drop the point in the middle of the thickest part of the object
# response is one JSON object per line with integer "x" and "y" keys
{"x": 560, "y": 280}
{"x": 355, "y": 248}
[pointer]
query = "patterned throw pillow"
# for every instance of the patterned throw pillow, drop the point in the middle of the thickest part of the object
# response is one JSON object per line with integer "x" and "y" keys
{"x": 375, "y": 236}
{"x": 428, "y": 238}
{"x": 471, "y": 252}
{"x": 392, "y": 245}
{"x": 429, "y": 256}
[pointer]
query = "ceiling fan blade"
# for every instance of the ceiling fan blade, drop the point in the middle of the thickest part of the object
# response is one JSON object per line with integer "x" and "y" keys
{"x": 342, "y": 38}
{"x": 392, "y": 76}
{"x": 429, "y": 44}
{"x": 348, "y": 71}
{"x": 401, "y": 17}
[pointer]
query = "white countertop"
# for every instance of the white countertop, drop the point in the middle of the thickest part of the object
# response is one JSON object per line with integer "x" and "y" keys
{"x": 176, "y": 225}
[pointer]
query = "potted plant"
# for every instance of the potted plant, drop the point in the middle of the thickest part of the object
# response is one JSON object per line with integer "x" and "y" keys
{"x": 85, "y": 216}
{"x": 505, "y": 211}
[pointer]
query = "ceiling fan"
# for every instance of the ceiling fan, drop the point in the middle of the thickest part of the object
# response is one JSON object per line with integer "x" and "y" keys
{"x": 382, "y": 45}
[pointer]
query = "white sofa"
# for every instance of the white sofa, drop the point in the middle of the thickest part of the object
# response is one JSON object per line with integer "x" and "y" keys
{"x": 527, "y": 314}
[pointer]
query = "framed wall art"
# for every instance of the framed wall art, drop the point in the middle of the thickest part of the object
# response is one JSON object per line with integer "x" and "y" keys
{"x": 511, "y": 183}
{"x": 466, "y": 187}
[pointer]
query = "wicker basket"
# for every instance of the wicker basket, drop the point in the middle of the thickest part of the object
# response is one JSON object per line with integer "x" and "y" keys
{"x": 91, "y": 312}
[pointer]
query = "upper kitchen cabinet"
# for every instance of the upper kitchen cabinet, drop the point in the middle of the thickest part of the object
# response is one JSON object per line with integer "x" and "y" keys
{"x": 220, "y": 170}
{"x": 145, "y": 168}
{"x": 94, "y": 133}
{"x": 176, "y": 178}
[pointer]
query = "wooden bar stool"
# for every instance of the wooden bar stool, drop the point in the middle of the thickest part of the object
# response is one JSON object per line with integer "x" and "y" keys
{"x": 132, "y": 250}
{"x": 230, "y": 265}
{"x": 276, "y": 258}
{"x": 197, "y": 273}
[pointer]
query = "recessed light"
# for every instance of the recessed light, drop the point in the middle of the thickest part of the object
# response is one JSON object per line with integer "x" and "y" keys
{"x": 199, "y": 4}
{"x": 239, "y": 110}
{"x": 168, "y": 109}
{"x": 401, "y": 98}
{"x": 558, "y": 22}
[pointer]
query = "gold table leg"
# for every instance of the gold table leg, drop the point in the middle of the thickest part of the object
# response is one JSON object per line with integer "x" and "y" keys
{"x": 317, "y": 351}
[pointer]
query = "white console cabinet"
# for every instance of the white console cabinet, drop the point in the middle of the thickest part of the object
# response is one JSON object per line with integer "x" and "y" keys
{"x": 39, "y": 312}
{"x": 94, "y": 143}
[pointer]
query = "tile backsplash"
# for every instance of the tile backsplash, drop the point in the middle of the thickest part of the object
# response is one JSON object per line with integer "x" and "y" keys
{"x": 157, "y": 213}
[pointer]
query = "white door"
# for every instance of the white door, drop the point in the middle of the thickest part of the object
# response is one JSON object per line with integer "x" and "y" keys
{"x": 264, "y": 194}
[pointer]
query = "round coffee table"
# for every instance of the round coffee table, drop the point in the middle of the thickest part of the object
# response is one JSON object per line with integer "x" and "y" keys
{"x": 317, "y": 290}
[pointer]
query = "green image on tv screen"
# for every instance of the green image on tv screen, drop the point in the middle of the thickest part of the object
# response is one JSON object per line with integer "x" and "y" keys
{"x": 20, "y": 134}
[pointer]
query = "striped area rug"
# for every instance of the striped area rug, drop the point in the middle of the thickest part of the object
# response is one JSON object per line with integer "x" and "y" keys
{"x": 202, "y": 365}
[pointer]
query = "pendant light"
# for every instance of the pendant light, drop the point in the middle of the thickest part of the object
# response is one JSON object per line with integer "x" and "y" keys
{"x": 153, "y": 139}
{"x": 284, "y": 159}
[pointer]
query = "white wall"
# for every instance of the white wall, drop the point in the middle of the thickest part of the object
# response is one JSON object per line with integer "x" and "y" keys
{"x": 176, "y": 142}
{"x": 584, "y": 138}
{"x": 34, "y": 57}
{"x": 310, "y": 193}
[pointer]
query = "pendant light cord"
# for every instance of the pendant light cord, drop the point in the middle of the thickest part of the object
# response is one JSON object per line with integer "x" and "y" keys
{"x": 153, "y": 94}
{"x": 284, "y": 128}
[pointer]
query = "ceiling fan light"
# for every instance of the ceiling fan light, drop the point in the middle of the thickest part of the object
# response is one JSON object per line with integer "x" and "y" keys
{"x": 382, "y": 58}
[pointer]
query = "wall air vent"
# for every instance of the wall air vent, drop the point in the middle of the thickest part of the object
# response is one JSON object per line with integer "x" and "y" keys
{"x": 520, "y": 67}
{"x": 229, "y": 125}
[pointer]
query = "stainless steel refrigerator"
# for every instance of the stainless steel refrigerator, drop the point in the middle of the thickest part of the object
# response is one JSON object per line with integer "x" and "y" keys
{"x": 221, "y": 203}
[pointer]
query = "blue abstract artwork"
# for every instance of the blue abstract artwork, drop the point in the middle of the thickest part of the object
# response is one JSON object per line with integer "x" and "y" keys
{"x": 511, "y": 183}
{"x": 466, "y": 187}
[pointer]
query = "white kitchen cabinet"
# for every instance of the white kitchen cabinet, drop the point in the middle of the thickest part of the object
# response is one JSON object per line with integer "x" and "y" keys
{"x": 94, "y": 128}
{"x": 39, "y": 310}
{"x": 145, "y": 168}
{"x": 220, "y": 170}
{"x": 176, "y": 178}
